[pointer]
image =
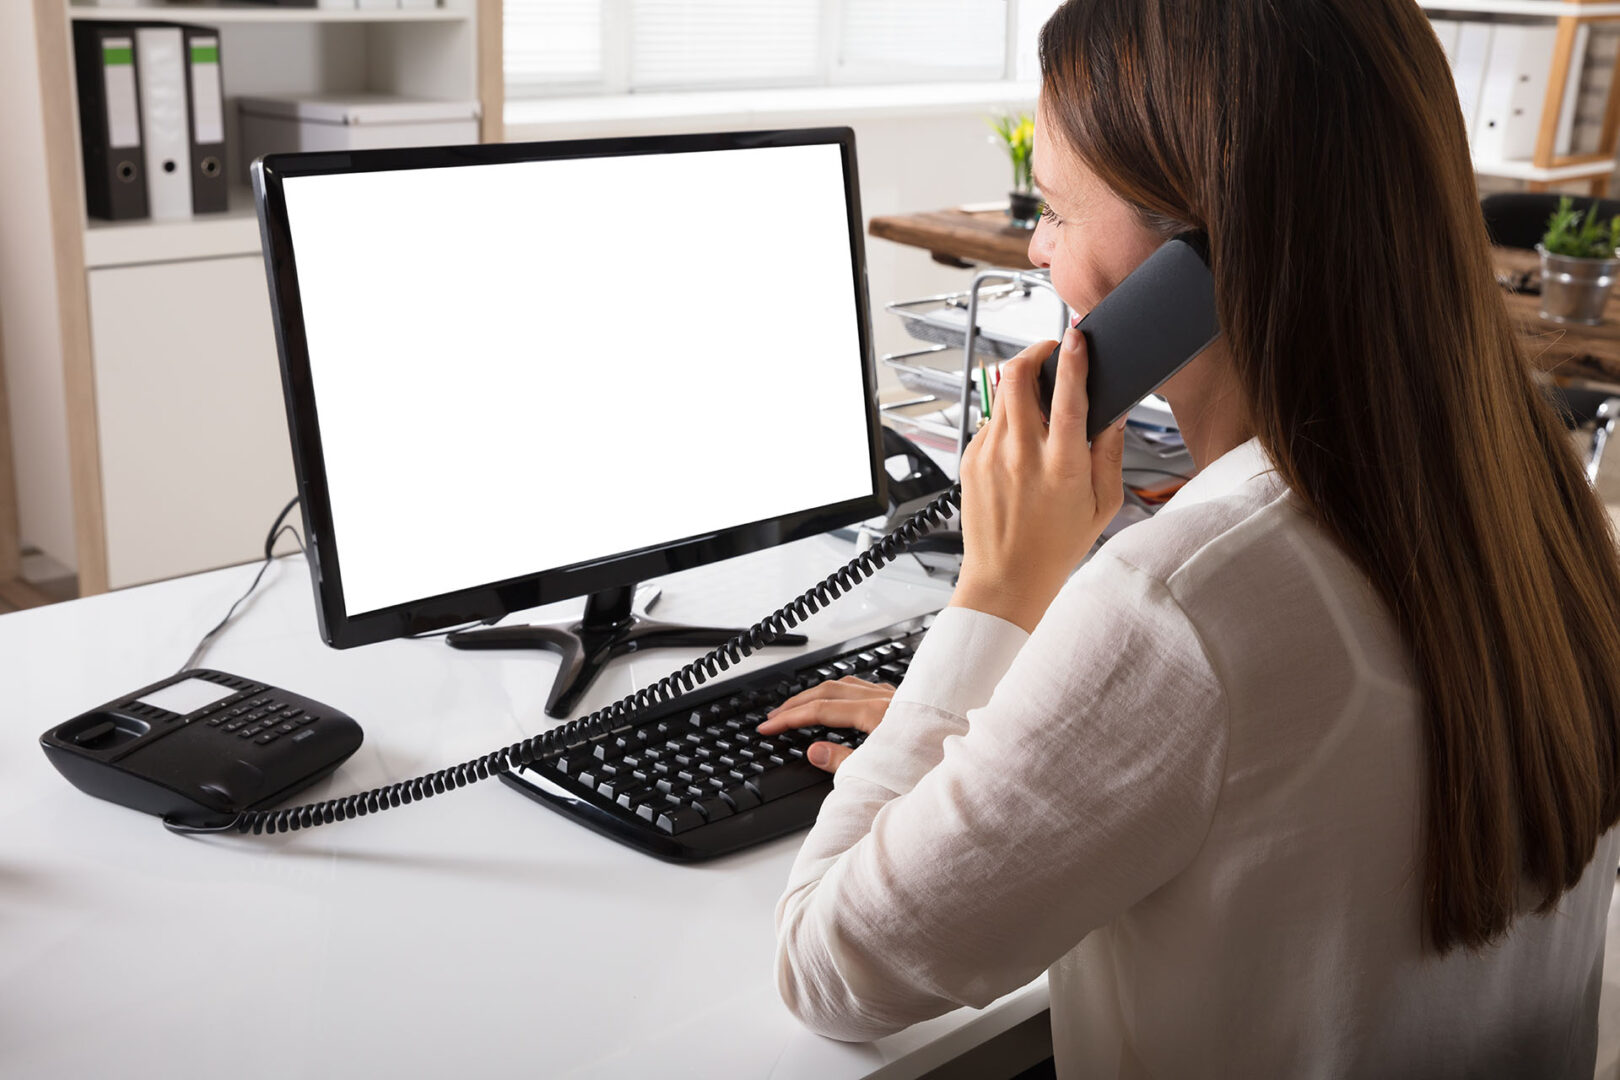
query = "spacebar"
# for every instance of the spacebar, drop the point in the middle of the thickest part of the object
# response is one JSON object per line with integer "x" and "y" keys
{"x": 786, "y": 779}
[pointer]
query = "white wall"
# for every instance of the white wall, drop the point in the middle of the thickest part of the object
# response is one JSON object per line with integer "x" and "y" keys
{"x": 28, "y": 301}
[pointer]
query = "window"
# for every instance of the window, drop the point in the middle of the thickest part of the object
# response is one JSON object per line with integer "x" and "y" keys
{"x": 626, "y": 46}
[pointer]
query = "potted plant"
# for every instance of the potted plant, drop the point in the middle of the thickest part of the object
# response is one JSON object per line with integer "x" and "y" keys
{"x": 1579, "y": 263}
{"x": 1017, "y": 134}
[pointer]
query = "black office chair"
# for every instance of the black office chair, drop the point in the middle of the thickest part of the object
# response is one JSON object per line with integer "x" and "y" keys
{"x": 1518, "y": 220}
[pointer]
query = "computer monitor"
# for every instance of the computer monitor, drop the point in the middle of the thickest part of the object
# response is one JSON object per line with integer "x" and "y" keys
{"x": 519, "y": 373}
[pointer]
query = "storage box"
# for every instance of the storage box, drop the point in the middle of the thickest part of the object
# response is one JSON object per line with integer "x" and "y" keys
{"x": 283, "y": 124}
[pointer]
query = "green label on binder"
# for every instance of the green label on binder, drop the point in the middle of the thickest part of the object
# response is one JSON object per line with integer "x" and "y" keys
{"x": 205, "y": 54}
{"x": 117, "y": 54}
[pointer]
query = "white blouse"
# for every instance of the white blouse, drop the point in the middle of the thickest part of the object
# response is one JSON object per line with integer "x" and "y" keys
{"x": 1194, "y": 796}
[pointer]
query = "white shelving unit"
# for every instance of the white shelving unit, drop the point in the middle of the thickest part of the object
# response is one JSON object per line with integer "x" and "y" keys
{"x": 1572, "y": 20}
{"x": 140, "y": 357}
{"x": 1537, "y": 8}
{"x": 219, "y": 15}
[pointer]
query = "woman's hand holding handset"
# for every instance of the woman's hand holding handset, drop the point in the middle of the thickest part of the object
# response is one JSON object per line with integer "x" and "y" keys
{"x": 1035, "y": 497}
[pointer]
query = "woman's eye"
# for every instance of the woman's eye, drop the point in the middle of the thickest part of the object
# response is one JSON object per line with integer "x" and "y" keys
{"x": 1048, "y": 216}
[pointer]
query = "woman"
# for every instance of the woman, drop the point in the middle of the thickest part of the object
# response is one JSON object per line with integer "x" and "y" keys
{"x": 1313, "y": 773}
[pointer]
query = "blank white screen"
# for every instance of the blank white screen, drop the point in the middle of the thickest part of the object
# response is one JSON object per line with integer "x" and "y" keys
{"x": 525, "y": 366}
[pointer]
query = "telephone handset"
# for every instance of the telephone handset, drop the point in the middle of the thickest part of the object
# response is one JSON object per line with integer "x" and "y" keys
{"x": 1153, "y": 323}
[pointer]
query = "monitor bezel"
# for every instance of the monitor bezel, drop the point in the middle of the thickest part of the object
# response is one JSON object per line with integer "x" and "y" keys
{"x": 489, "y": 601}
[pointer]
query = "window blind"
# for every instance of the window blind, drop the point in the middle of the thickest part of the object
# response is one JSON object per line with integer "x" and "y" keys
{"x": 965, "y": 38}
{"x": 688, "y": 43}
{"x": 552, "y": 43}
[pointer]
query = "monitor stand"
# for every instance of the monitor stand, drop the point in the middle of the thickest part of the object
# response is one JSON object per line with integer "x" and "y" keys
{"x": 614, "y": 624}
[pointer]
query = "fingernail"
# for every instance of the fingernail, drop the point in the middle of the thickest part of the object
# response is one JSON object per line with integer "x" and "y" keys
{"x": 820, "y": 754}
{"x": 1119, "y": 425}
{"x": 1071, "y": 337}
{"x": 1074, "y": 320}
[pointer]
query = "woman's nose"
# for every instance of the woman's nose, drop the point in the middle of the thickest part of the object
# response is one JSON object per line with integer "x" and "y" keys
{"x": 1040, "y": 247}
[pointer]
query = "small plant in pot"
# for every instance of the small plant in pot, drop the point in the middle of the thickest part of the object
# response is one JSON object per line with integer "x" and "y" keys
{"x": 1017, "y": 134}
{"x": 1579, "y": 263}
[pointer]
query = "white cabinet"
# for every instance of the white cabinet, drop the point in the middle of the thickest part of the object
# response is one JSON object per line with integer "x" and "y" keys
{"x": 194, "y": 452}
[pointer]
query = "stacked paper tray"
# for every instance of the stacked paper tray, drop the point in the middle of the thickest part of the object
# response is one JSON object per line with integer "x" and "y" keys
{"x": 1010, "y": 319}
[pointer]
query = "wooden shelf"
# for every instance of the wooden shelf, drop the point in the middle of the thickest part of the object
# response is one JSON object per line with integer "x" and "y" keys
{"x": 1526, "y": 170}
{"x": 218, "y": 14}
{"x": 235, "y": 231}
{"x": 1549, "y": 8}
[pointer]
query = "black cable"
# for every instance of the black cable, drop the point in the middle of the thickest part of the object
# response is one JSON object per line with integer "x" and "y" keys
{"x": 607, "y": 720}
{"x": 270, "y": 537}
{"x": 276, "y": 529}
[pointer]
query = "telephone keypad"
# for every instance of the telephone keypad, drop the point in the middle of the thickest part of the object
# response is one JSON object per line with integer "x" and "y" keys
{"x": 261, "y": 719}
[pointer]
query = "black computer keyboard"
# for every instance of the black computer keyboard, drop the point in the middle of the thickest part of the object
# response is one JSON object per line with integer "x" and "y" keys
{"x": 692, "y": 779}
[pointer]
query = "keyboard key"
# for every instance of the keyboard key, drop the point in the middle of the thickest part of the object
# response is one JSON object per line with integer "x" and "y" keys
{"x": 775, "y": 783}
{"x": 892, "y": 672}
{"x": 713, "y": 808}
{"x": 675, "y": 821}
{"x": 635, "y": 797}
{"x": 741, "y": 798}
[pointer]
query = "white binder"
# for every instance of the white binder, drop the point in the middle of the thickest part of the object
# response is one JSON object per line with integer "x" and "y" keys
{"x": 1514, "y": 91}
{"x": 1446, "y": 30}
{"x": 160, "y": 67}
{"x": 1473, "y": 51}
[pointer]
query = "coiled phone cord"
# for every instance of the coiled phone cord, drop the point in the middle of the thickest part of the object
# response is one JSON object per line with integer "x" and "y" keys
{"x": 605, "y": 720}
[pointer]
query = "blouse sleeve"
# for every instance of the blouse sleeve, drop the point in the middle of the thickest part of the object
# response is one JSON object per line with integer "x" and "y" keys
{"x": 1019, "y": 793}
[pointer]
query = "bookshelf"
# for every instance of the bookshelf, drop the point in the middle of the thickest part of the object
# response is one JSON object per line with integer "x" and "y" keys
{"x": 144, "y": 388}
{"x": 1565, "y": 101}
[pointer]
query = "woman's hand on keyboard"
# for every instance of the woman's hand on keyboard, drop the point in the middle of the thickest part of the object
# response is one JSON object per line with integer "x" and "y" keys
{"x": 841, "y": 703}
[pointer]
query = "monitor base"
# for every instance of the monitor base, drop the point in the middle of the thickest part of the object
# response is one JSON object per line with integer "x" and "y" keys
{"x": 613, "y": 624}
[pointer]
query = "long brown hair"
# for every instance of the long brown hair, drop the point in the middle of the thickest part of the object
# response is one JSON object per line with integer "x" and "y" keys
{"x": 1320, "y": 145}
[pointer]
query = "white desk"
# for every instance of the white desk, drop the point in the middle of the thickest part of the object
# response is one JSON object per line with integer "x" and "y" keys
{"x": 477, "y": 934}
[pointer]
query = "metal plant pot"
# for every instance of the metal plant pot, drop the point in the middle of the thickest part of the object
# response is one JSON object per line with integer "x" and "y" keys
{"x": 1575, "y": 290}
{"x": 1023, "y": 208}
